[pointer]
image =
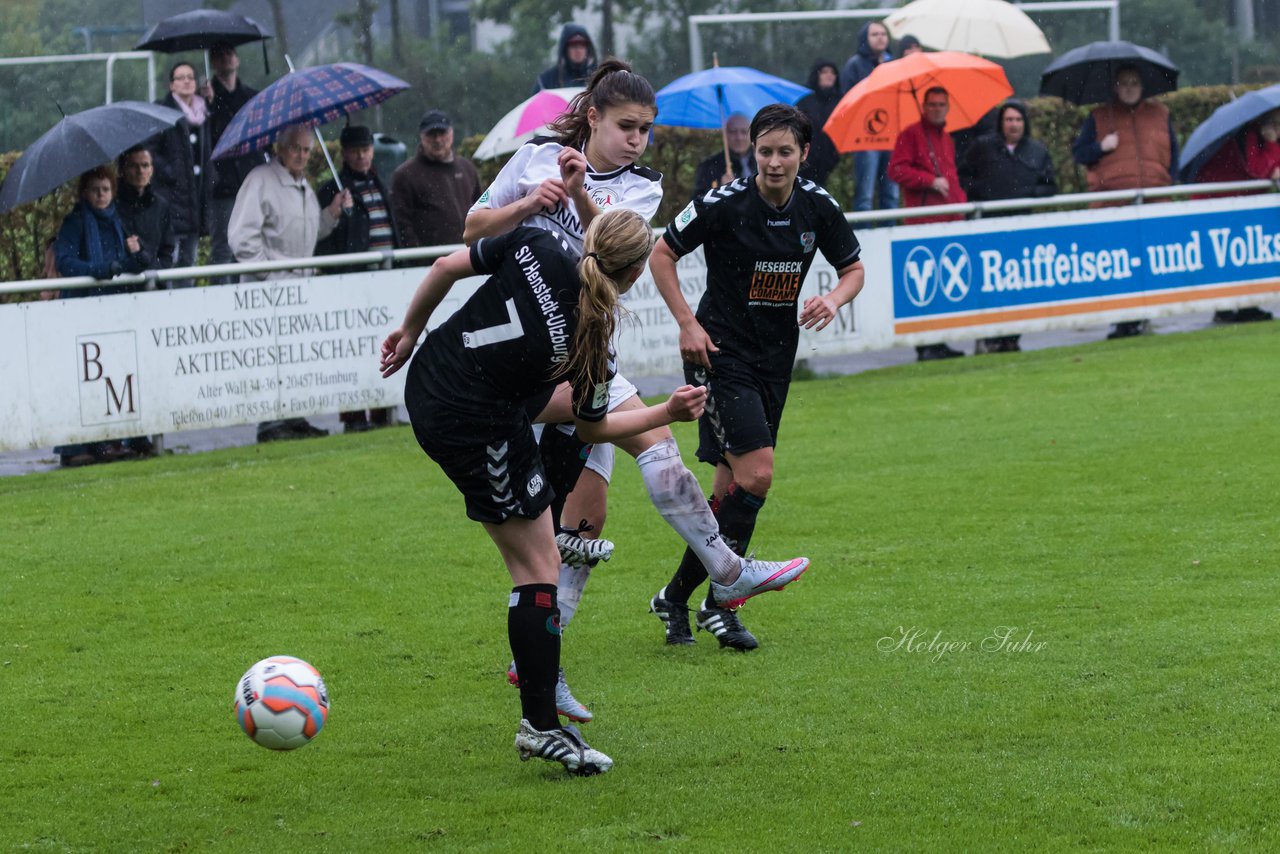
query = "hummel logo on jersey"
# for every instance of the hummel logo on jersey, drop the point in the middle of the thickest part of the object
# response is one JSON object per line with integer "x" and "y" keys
{"x": 688, "y": 215}
{"x": 778, "y": 223}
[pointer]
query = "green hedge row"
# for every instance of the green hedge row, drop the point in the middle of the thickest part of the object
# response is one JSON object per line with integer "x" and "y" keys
{"x": 675, "y": 152}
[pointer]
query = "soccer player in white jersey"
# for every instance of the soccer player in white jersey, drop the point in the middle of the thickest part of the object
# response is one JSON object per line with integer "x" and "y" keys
{"x": 561, "y": 185}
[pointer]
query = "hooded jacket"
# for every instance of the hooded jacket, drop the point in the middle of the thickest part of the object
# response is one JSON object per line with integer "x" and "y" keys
{"x": 818, "y": 107}
{"x": 991, "y": 171}
{"x": 565, "y": 73}
{"x": 861, "y": 63}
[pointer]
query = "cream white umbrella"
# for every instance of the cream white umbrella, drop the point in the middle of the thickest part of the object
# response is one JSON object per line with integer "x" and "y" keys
{"x": 984, "y": 27}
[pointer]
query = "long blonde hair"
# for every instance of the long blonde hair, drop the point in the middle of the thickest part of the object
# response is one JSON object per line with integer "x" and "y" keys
{"x": 616, "y": 243}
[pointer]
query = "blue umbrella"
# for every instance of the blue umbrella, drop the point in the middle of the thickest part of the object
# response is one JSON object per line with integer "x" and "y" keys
{"x": 1214, "y": 131}
{"x": 310, "y": 96}
{"x": 704, "y": 98}
{"x": 80, "y": 142}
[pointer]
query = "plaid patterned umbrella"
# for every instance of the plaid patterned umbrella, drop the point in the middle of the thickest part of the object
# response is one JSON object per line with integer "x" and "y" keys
{"x": 309, "y": 96}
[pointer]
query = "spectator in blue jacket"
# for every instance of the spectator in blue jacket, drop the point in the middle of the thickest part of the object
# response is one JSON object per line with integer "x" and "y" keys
{"x": 92, "y": 242}
{"x": 869, "y": 167}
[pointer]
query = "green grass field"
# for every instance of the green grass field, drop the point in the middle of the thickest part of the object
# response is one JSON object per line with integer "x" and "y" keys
{"x": 1113, "y": 507}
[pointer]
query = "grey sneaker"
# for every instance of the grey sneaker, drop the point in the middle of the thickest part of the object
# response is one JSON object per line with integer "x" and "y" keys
{"x": 563, "y": 745}
{"x": 567, "y": 705}
{"x": 758, "y": 576}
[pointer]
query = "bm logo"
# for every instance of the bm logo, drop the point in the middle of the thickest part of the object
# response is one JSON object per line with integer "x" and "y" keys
{"x": 924, "y": 275}
{"x": 107, "y": 376}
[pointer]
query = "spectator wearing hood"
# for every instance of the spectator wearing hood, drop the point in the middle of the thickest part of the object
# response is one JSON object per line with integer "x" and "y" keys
{"x": 824, "y": 80}
{"x": 908, "y": 45}
{"x": 870, "y": 168}
{"x": 576, "y": 61}
{"x": 1007, "y": 164}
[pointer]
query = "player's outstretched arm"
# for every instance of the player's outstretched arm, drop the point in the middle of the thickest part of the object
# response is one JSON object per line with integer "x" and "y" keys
{"x": 695, "y": 343}
{"x": 685, "y": 404}
{"x": 820, "y": 310}
{"x": 399, "y": 345}
{"x": 490, "y": 222}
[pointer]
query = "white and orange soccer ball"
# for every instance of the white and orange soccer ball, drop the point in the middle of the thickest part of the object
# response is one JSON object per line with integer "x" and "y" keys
{"x": 281, "y": 702}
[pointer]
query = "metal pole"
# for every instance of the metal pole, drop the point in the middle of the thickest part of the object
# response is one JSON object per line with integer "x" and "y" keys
{"x": 695, "y": 46}
{"x": 320, "y": 140}
{"x": 111, "y": 73}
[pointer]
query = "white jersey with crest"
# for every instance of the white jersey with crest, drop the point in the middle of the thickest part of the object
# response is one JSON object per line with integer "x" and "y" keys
{"x": 636, "y": 188}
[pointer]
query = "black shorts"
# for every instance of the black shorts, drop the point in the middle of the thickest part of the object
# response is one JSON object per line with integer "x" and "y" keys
{"x": 744, "y": 408}
{"x": 493, "y": 460}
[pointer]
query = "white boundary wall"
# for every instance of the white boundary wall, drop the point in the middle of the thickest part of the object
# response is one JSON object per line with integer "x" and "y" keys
{"x": 164, "y": 361}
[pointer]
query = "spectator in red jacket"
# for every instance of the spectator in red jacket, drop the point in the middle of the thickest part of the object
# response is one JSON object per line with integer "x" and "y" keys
{"x": 924, "y": 166}
{"x": 1253, "y": 152}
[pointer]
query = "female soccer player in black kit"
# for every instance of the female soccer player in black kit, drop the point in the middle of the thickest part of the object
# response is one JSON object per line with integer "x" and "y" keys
{"x": 543, "y": 317}
{"x": 759, "y": 235}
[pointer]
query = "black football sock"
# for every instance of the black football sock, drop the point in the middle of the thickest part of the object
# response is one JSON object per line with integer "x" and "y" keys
{"x": 688, "y": 576}
{"x": 533, "y": 630}
{"x": 737, "y": 512}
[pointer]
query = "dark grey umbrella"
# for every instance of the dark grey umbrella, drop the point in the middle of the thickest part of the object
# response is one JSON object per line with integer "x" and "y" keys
{"x": 200, "y": 30}
{"x": 80, "y": 142}
{"x": 1086, "y": 74}
{"x": 204, "y": 29}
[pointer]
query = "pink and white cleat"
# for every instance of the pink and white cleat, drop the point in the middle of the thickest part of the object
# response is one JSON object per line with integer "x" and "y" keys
{"x": 758, "y": 576}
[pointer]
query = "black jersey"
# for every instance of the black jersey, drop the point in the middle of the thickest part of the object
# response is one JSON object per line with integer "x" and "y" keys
{"x": 757, "y": 257}
{"x": 510, "y": 340}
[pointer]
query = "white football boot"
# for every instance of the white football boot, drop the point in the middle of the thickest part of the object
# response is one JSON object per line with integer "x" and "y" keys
{"x": 563, "y": 745}
{"x": 758, "y": 576}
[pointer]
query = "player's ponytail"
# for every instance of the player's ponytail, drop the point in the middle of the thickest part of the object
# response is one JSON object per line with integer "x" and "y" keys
{"x": 613, "y": 84}
{"x": 616, "y": 244}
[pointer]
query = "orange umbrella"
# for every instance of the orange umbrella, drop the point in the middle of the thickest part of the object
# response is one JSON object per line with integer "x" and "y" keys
{"x": 871, "y": 115}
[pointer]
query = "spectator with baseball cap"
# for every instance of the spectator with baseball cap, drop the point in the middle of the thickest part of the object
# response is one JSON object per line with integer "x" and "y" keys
{"x": 432, "y": 192}
{"x": 366, "y": 225}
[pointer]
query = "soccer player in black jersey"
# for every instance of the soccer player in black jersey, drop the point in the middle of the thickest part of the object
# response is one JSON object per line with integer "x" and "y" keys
{"x": 540, "y": 318}
{"x": 759, "y": 235}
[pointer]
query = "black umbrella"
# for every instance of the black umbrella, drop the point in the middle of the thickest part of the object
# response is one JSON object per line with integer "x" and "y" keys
{"x": 80, "y": 142}
{"x": 1087, "y": 74}
{"x": 203, "y": 29}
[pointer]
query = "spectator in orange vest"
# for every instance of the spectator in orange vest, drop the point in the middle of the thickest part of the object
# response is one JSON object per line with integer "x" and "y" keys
{"x": 1126, "y": 145}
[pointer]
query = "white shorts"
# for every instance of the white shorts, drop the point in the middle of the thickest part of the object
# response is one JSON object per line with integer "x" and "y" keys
{"x": 601, "y": 459}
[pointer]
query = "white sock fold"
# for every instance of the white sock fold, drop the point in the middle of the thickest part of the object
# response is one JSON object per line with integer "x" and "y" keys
{"x": 569, "y": 592}
{"x": 678, "y": 497}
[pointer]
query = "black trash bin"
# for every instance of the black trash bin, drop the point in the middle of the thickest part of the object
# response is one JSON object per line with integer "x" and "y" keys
{"x": 388, "y": 153}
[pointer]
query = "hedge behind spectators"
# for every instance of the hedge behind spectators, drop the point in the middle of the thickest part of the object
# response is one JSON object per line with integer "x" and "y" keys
{"x": 675, "y": 152}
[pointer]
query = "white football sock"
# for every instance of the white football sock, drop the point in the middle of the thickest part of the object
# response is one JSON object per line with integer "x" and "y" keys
{"x": 677, "y": 496}
{"x": 569, "y": 592}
